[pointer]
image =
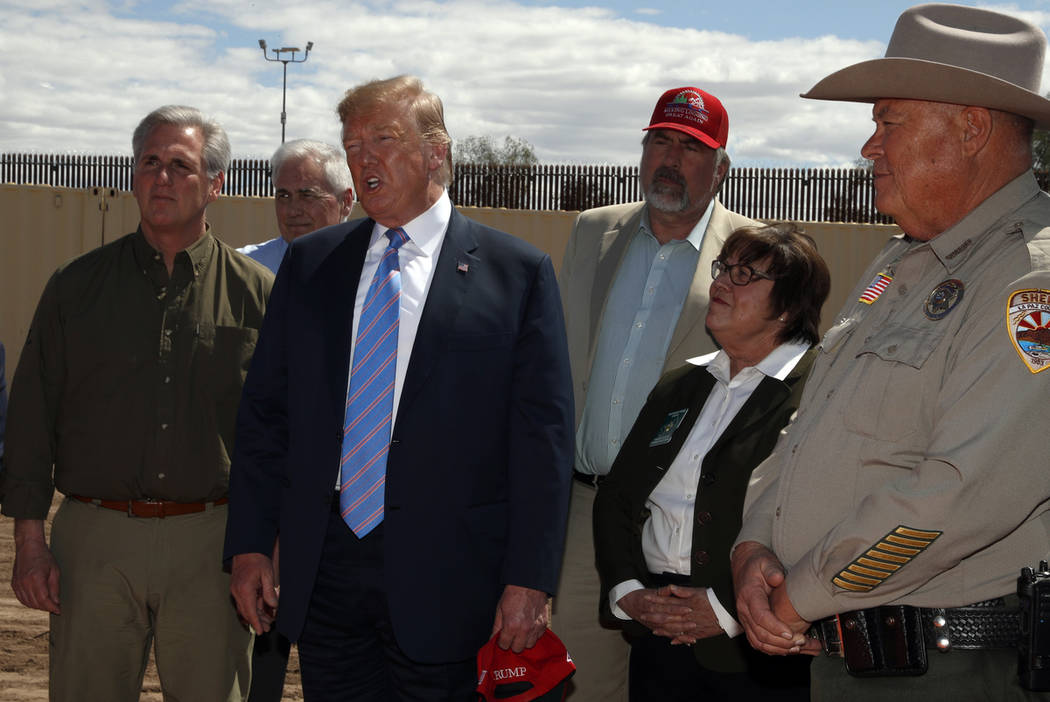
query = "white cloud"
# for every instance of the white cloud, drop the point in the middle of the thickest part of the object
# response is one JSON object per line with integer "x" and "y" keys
{"x": 579, "y": 84}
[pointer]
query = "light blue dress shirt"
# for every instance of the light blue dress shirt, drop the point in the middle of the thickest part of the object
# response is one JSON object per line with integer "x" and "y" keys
{"x": 269, "y": 253}
{"x": 641, "y": 312}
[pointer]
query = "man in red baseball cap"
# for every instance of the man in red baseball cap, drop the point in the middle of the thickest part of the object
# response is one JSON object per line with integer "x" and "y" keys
{"x": 634, "y": 285}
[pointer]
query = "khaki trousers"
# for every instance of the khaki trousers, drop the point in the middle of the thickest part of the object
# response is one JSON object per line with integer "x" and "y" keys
{"x": 601, "y": 654}
{"x": 127, "y": 583}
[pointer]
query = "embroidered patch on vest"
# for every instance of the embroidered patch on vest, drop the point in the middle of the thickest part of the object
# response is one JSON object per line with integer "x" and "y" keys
{"x": 890, "y": 554}
{"x": 667, "y": 427}
{"x": 1028, "y": 324}
{"x": 943, "y": 299}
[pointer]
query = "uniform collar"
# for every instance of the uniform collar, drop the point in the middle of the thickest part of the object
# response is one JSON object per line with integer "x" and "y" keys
{"x": 955, "y": 245}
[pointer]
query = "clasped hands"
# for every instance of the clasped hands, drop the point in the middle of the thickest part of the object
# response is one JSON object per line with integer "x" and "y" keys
{"x": 682, "y": 614}
{"x": 771, "y": 623}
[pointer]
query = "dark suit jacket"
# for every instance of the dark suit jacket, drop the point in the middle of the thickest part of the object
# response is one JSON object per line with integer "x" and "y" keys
{"x": 481, "y": 454}
{"x": 620, "y": 512}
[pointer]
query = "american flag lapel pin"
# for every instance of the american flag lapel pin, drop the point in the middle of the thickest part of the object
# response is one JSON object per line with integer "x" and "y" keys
{"x": 462, "y": 266}
{"x": 877, "y": 287}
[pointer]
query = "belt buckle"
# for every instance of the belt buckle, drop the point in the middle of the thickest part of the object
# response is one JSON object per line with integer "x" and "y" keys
{"x": 156, "y": 507}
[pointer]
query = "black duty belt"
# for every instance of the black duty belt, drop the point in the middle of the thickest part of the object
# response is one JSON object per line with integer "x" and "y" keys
{"x": 982, "y": 625}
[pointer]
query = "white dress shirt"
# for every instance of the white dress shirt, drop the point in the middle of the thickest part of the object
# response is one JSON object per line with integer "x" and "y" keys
{"x": 667, "y": 534}
{"x": 416, "y": 258}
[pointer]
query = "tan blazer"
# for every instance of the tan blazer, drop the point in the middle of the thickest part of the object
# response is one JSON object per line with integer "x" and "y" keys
{"x": 596, "y": 247}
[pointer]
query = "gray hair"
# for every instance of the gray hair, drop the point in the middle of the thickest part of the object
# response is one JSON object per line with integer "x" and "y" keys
{"x": 720, "y": 156}
{"x": 216, "y": 151}
{"x": 333, "y": 164}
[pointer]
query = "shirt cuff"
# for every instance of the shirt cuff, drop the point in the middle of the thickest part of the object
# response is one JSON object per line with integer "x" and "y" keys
{"x": 725, "y": 620}
{"x": 624, "y": 588}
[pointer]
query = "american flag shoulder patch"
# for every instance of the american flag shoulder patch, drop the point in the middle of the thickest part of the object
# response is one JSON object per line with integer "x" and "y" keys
{"x": 876, "y": 288}
{"x": 889, "y": 555}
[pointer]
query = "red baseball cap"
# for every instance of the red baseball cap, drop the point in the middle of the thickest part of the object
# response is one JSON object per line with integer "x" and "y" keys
{"x": 537, "y": 673}
{"x": 693, "y": 112}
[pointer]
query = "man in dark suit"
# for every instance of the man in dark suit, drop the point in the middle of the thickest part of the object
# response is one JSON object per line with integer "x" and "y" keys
{"x": 391, "y": 579}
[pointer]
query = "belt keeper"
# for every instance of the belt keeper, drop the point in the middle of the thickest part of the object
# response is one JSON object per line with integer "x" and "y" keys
{"x": 942, "y": 631}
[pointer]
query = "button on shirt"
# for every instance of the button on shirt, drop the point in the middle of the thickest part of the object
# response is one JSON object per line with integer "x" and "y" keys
{"x": 667, "y": 533}
{"x": 416, "y": 258}
{"x": 640, "y": 315}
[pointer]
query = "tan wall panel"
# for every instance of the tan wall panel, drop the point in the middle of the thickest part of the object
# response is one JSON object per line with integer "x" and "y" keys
{"x": 43, "y": 227}
{"x": 848, "y": 249}
{"x": 121, "y": 215}
{"x": 235, "y": 220}
{"x": 546, "y": 230}
{"x": 47, "y": 226}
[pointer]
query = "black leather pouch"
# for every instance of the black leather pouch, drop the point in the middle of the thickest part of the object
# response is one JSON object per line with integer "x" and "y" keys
{"x": 883, "y": 641}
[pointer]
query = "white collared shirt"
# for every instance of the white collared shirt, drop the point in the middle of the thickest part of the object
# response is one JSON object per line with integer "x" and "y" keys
{"x": 417, "y": 258}
{"x": 667, "y": 534}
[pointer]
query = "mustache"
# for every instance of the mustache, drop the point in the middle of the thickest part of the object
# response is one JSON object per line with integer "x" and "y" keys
{"x": 665, "y": 173}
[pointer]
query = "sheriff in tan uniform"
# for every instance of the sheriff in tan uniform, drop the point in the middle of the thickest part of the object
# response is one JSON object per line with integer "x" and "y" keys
{"x": 915, "y": 470}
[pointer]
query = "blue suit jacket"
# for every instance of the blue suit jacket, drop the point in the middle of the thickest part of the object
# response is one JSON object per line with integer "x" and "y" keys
{"x": 481, "y": 453}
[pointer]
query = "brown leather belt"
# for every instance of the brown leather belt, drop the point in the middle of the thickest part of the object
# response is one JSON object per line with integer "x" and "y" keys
{"x": 152, "y": 509}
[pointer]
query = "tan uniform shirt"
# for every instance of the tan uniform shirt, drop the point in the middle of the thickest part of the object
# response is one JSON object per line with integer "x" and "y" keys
{"x": 916, "y": 469}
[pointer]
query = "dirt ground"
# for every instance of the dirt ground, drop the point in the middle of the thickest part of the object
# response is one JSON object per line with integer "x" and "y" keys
{"x": 23, "y": 641}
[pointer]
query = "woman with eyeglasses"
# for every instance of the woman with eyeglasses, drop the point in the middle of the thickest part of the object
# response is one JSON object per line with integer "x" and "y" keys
{"x": 667, "y": 514}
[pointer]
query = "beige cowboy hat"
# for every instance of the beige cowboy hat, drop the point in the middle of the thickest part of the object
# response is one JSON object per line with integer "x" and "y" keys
{"x": 950, "y": 53}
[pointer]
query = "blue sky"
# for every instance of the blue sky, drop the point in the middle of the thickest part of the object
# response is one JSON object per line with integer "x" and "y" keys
{"x": 576, "y": 79}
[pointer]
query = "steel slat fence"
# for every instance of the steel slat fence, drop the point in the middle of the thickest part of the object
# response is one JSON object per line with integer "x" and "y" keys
{"x": 805, "y": 194}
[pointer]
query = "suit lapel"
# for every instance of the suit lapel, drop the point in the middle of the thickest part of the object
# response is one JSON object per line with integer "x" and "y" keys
{"x": 336, "y": 283}
{"x": 610, "y": 254}
{"x": 694, "y": 309}
{"x": 444, "y": 300}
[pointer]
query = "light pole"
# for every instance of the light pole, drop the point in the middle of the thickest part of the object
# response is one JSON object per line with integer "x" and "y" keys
{"x": 277, "y": 54}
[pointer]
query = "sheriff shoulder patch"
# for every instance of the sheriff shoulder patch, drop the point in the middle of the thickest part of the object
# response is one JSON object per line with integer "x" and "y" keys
{"x": 1027, "y": 322}
{"x": 890, "y": 554}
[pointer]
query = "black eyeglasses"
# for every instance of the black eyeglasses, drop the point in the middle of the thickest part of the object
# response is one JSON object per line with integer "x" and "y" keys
{"x": 739, "y": 273}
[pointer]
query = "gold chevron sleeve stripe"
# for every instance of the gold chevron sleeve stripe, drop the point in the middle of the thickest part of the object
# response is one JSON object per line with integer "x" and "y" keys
{"x": 864, "y": 561}
{"x": 900, "y": 560}
{"x": 854, "y": 578}
{"x": 850, "y": 586}
{"x": 916, "y": 534}
{"x": 893, "y": 551}
{"x": 868, "y": 571}
{"x": 885, "y": 546}
{"x": 900, "y": 540}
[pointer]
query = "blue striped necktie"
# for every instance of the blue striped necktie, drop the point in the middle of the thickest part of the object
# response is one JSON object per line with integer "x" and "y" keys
{"x": 370, "y": 397}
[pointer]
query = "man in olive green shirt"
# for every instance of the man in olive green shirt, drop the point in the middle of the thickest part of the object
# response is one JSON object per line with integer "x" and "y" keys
{"x": 124, "y": 399}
